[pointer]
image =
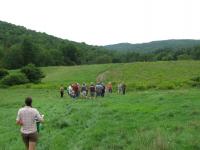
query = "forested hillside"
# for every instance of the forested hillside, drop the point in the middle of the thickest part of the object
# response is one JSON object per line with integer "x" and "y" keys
{"x": 20, "y": 46}
{"x": 153, "y": 46}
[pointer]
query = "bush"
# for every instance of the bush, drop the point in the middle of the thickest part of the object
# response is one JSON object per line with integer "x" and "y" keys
{"x": 33, "y": 73}
{"x": 3, "y": 73}
{"x": 194, "y": 82}
{"x": 15, "y": 79}
{"x": 196, "y": 79}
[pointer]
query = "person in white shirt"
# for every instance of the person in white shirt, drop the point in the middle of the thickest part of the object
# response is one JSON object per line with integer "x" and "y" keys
{"x": 26, "y": 118}
{"x": 71, "y": 91}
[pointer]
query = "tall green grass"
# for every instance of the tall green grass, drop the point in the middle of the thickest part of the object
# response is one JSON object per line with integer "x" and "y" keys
{"x": 142, "y": 120}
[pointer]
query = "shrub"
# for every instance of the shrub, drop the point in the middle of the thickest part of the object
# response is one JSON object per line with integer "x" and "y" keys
{"x": 15, "y": 79}
{"x": 3, "y": 73}
{"x": 33, "y": 73}
{"x": 196, "y": 79}
{"x": 194, "y": 82}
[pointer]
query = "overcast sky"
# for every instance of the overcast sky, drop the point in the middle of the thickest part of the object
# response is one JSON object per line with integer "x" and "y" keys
{"x": 102, "y": 22}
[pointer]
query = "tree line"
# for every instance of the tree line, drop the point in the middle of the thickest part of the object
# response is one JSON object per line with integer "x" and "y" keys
{"x": 165, "y": 54}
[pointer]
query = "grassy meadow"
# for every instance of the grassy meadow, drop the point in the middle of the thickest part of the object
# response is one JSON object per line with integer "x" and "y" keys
{"x": 137, "y": 76}
{"x": 159, "y": 112}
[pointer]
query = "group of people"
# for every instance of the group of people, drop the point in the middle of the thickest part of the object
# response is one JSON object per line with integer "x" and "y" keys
{"x": 99, "y": 89}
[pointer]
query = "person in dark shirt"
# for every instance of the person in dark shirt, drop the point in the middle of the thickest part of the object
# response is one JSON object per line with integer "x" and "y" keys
{"x": 92, "y": 90}
{"x": 103, "y": 90}
{"x": 123, "y": 88}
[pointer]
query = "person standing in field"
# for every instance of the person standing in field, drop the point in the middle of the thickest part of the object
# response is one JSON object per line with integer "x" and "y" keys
{"x": 119, "y": 87}
{"x": 26, "y": 118}
{"x": 123, "y": 88}
{"x": 84, "y": 90}
{"x": 70, "y": 91}
{"x": 61, "y": 91}
{"x": 99, "y": 89}
{"x": 103, "y": 90}
{"x": 109, "y": 87}
{"x": 75, "y": 89}
{"x": 79, "y": 89}
{"x": 92, "y": 90}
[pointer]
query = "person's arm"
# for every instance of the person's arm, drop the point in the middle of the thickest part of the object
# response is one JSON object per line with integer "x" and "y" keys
{"x": 39, "y": 117}
{"x": 18, "y": 119}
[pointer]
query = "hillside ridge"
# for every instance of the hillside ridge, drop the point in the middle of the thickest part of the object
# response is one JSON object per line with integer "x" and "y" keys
{"x": 154, "y": 45}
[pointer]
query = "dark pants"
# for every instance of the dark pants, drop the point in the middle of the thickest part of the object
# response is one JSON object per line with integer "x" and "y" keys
{"x": 102, "y": 94}
{"x": 61, "y": 93}
{"x": 124, "y": 91}
{"x": 98, "y": 94}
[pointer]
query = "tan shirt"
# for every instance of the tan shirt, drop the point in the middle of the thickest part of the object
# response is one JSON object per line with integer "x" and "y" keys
{"x": 28, "y": 115}
{"x": 62, "y": 89}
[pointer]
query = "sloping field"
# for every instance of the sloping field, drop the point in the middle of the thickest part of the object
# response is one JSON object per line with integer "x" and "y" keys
{"x": 140, "y": 75}
{"x": 85, "y": 73}
{"x": 161, "y": 75}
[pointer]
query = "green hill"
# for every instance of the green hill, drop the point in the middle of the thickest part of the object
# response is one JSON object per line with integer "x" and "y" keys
{"x": 155, "y": 45}
{"x": 20, "y": 46}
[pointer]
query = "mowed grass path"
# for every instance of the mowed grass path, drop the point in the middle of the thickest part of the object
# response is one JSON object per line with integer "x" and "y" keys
{"x": 148, "y": 120}
{"x": 66, "y": 75}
